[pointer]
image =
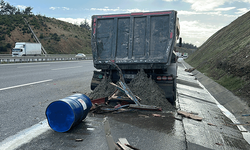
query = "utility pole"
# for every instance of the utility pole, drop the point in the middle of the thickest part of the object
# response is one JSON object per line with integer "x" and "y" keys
{"x": 35, "y": 37}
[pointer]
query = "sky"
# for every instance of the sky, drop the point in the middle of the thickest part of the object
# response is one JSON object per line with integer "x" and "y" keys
{"x": 199, "y": 19}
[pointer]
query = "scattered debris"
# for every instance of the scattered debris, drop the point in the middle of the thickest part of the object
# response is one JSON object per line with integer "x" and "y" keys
{"x": 190, "y": 69}
{"x": 123, "y": 142}
{"x": 156, "y": 115}
{"x": 109, "y": 138}
{"x": 219, "y": 144}
{"x": 211, "y": 124}
{"x": 131, "y": 147}
{"x": 78, "y": 140}
{"x": 189, "y": 115}
{"x": 145, "y": 90}
{"x": 145, "y": 116}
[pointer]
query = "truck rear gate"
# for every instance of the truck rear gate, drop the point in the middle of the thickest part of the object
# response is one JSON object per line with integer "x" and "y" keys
{"x": 145, "y": 40}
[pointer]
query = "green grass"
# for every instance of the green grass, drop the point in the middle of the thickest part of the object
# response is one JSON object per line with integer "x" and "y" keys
{"x": 231, "y": 82}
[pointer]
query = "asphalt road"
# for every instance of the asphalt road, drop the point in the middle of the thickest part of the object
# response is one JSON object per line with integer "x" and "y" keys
{"x": 27, "y": 89}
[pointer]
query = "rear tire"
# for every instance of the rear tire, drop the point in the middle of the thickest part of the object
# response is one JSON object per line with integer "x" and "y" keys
{"x": 173, "y": 98}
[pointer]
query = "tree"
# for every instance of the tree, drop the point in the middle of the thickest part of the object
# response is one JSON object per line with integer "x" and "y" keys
{"x": 85, "y": 25}
{"x": 27, "y": 11}
{"x": 2, "y": 7}
{"x": 18, "y": 12}
{"x": 7, "y": 9}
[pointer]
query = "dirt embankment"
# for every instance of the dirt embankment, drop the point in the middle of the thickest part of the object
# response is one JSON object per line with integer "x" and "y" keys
{"x": 142, "y": 86}
{"x": 225, "y": 57}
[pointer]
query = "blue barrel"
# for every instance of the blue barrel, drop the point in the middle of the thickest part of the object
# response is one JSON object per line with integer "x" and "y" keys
{"x": 65, "y": 113}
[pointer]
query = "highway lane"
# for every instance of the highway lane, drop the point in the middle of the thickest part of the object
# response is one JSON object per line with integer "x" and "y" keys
{"x": 140, "y": 128}
{"x": 26, "y": 90}
{"x": 22, "y": 73}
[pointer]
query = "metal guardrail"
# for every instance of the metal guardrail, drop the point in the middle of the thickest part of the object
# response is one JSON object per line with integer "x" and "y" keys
{"x": 51, "y": 57}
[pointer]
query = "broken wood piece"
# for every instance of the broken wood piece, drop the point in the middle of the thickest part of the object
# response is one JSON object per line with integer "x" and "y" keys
{"x": 124, "y": 142}
{"x": 190, "y": 69}
{"x": 131, "y": 147}
{"x": 120, "y": 145}
{"x": 113, "y": 94}
{"x": 211, "y": 124}
{"x": 156, "y": 115}
{"x": 78, "y": 140}
{"x": 109, "y": 138}
{"x": 189, "y": 115}
{"x": 218, "y": 144}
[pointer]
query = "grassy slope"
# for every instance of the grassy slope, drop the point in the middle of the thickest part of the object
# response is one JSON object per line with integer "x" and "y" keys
{"x": 56, "y": 36}
{"x": 225, "y": 57}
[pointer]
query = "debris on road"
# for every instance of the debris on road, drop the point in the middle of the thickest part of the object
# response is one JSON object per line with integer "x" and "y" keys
{"x": 123, "y": 142}
{"x": 219, "y": 144}
{"x": 189, "y": 115}
{"x": 66, "y": 113}
{"x": 78, "y": 140}
{"x": 146, "y": 91}
{"x": 211, "y": 124}
{"x": 190, "y": 69}
{"x": 145, "y": 116}
{"x": 131, "y": 147}
{"x": 156, "y": 115}
{"x": 110, "y": 141}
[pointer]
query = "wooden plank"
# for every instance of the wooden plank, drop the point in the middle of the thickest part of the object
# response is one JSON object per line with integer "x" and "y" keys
{"x": 189, "y": 115}
{"x": 124, "y": 142}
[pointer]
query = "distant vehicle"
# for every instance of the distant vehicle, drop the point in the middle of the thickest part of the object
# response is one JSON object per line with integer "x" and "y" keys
{"x": 185, "y": 55}
{"x": 80, "y": 55}
{"x": 26, "y": 49}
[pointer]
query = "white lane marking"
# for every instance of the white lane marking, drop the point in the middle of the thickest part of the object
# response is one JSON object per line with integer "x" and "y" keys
{"x": 67, "y": 68}
{"x": 24, "y": 136}
{"x": 30, "y": 63}
{"x": 12, "y": 87}
{"x": 33, "y": 66}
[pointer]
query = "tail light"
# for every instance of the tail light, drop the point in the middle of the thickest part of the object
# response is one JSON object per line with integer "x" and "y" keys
{"x": 164, "y": 78}
{"x": 159, "y": 78}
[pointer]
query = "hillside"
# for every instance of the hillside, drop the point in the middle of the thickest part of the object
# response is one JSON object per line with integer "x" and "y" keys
{"x": 57, "y": 37}
{"x": 225, "y": 57}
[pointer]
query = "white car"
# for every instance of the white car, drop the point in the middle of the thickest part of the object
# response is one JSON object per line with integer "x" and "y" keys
{"x": 80, "y": 55}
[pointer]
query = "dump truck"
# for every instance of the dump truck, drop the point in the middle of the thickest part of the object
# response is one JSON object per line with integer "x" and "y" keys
{"x": 135, "y": 41}
{"x": 26, "y": 49}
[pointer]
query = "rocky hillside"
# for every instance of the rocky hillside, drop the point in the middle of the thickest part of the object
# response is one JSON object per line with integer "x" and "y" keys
{"x": 225, "y": 57}
{"x": 57, "y": 37}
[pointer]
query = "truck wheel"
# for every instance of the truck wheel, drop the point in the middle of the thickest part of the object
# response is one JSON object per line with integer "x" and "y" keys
{"x": 173, "y": 98}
